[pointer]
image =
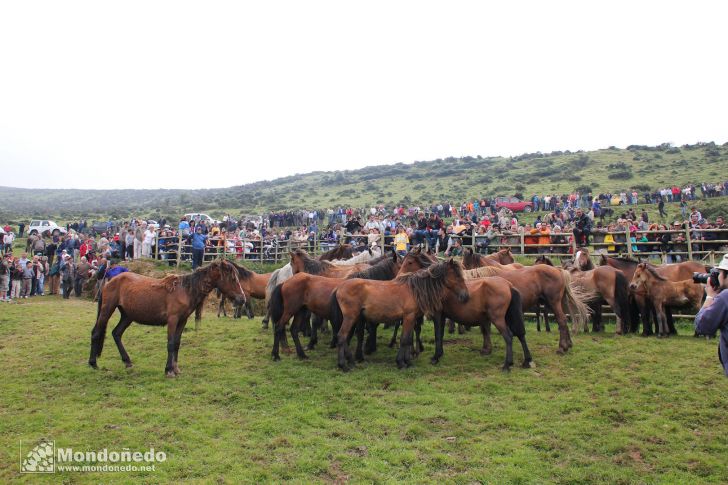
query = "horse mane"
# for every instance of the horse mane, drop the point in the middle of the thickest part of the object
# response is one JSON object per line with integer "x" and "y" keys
{"x": 472, "y": 256}
{"x": 545, "y": 260}
{"x": 421, "y": 258}
{"x": 382, "y": 271}
{"x": 481, "y": 272}
{"x": 363, "y": 257}
{"x": 196, "y": 284}
{"x": 342, "y": 251}
{"x": 653, "y": 271}
{"x": 427, "y": 286}
{"x": 310, "y": 265}
{"x": 243, "y": 272}
{"x": 624, "y": 259}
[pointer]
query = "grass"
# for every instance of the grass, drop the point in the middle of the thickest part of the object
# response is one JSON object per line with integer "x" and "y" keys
{"x": 614, "y": 410}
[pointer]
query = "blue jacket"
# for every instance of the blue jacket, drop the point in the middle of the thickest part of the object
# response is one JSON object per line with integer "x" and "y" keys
{"x": 198, "y": 241}
{"x": 710, "y": 319}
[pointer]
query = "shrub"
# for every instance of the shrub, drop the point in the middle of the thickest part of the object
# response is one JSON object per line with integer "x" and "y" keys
{"x": 620, "y": 175}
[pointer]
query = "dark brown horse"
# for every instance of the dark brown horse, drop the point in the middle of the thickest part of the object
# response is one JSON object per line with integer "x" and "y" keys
{"x": 640, "y": 304}
{"x": 663, "y": 292}
{"x": 149, "y": 301}
{"x": 492, "y": 300}
{"x": 405, "y": 298}
{"x": 341, "y": 251}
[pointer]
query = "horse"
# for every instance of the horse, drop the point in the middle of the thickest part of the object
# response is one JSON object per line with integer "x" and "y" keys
{"x": 551, "y": 285}
{"x": 341, "y": 251}
{"x": 405, "y": 298}
{"x": 640, "y": 304}
{"x": 254, "y": 286}
{"x": 276, "y": 278}
{"x": 149, "y": 301}
{"x": 301, "y": 262}
{"x": 238, "y": 309}
{"x": 491, "y": 300}
{"x": 304, "y": 292}
{"x": 605, "y": 283}
{"x": 664, "y": 292}
{"x": 502, "y": 258}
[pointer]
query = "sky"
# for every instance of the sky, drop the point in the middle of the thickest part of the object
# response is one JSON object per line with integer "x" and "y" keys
{"x": 180, "y": 94}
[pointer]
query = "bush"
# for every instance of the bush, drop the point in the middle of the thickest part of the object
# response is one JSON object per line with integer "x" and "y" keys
{"x": 621, "y": 175}
{"x": 583, "y": 189}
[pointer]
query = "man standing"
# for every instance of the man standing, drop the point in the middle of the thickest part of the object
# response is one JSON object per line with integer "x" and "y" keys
{"x": 582, "y": 228}
{"x": 198, "y": 247}
{"x": 714, "y": 313}
{"x": 67, "y": 274}
{"x": 82, "y": 275}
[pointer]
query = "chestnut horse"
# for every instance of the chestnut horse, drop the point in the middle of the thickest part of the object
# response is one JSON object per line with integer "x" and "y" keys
{"x": 149, "y": 301}
{"x": 664, "y": 292}
{"x": 502, "y": 258}
{"x": 492, "y": 300}
{"x": 254, "y": 286}
{"x": 641, "y": 305}
{"x": 406, "y": 298}
{"x": 301, "y": 262}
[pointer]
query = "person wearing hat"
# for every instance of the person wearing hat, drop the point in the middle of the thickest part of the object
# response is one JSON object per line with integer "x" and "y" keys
{"x": 68, "y": 273}
{"x": 714, "y": 313}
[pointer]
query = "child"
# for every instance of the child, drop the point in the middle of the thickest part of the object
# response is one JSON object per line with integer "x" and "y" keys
{"x": 401, "y": 241}
{"x": 27, "y": 279}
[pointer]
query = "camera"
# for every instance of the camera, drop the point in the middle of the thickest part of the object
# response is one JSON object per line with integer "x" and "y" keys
{"x": 709, "y": 277}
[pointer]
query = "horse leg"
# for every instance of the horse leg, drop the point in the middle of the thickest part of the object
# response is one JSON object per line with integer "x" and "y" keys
{"x": 538, "y": 317}
{"x": 118, "y": 331}
{"x": 171, "y": 332}
{"x": 305, "y": 324}
{"x": 670, "y": 321}
{"x": 450, "y": 326}
{"x": 439, "y": 336}
{"x": 646, "y": 313}
{"x": 508, "y": 337}
{"x": 295, "y": 327}
{"x": 266, "y": 319}
{"x": 487, "y": 348}
{"x": 359, "y": 354}
{"x": 99, "y": 332}
{"x": 546, "y": 318}
{"x": 596, "y": 318}
{"x": 371, "y": 344}
{"x": 418, "y": 333}
{"x": 565, "y": 342}
{"x": 315, "y": 324}
{"x": 393, "y": 341}
{"x": 344, "y": 358}
{"x": 221, "y": 307}
{"x": 177, "y": 342}
{"x": 527, "y": 359}
{"x": 404, "y": 355}
{"x": 279, "y": 334}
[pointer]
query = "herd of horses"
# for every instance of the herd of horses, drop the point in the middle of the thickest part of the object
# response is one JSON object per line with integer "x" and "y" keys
{"x": 356, "y": 292}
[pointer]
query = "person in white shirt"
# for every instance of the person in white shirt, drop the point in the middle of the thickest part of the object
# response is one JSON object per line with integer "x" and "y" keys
{"x": 148, "y": 242}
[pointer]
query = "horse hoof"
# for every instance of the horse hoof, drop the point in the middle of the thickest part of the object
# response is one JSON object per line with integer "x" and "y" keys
{"x": 170, "y": 374}
{"x": 486, "y": 351}
{"x": 434, "y": 361}
{"x": 344, "y": 368}
{"x": 526, "y": 364}
{"x": 276, "y": 358}
{"x": 310, "y": 347}
{"x": 506, "y": 368}
{"x": 303, "y": 357}
{"x": 129, "y": 365}
{"x": 560, "y": 351}
{"x": 391, "y": 345}
{"x": 93, "y": 365}
{"x": 177, "y": 371}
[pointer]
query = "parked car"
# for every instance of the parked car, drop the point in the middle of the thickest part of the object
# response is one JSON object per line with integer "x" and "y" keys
{"x": 513, "y": 203}
{"x": 202, "y": 217}
{"x": 45, "y": 227}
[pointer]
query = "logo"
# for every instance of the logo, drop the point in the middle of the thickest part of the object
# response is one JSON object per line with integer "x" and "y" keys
{"x": 40, "y": 459}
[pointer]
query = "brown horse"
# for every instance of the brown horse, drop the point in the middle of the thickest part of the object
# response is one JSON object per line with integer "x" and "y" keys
{"x": 149, "y": 301}
{"x": 664, "y": 292}
{"x": 253, "y": 285}
{"x": 548, "y": 284}
{"x": 606, "y": 284}
{"x": 405, "y": 298}
{"x": 492, "y": 300}
{"x": 301, "y": 262}
{"x": 341, "y": 251}
{"x": 640, "y": 304}
{"x": 502, "y": 259}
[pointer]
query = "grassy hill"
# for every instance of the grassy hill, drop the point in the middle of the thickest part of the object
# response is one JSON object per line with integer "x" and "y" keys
{"x": 453, "y": 179}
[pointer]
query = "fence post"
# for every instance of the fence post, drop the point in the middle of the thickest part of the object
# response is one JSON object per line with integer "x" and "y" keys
{"x": 712, "y": 257}
{"x": 690, "y": 242}
{"x": 523, "y": 242}
{"x": 156, "y": 248}
{"x": 629, "y": 242}
{"x": 179, "y": 248}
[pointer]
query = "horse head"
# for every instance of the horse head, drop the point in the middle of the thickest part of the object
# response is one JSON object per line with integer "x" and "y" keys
{"x": 455, "y": 280}
{"x": 641, "y": 276}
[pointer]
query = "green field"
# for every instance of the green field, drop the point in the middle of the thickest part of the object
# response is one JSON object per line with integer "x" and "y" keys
{"x": 614, "y": 410}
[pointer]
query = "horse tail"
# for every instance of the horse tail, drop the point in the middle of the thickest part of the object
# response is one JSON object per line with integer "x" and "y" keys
{"x": 621, "y": 300}
{"x": 514, "y": 315}
{"x": 98, "y": 333}
{"x": 271, "y": 285}
{"x": 337, "y": 317}
{"x": 575, "y": 299}
{"x": 276, "y": 304}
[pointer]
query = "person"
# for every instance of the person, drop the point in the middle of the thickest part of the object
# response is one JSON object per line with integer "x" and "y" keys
{"x": 401, "y": 241}
{"x": 714, "y": 313}
{"x": 5, "y": 266}
{"x": 27, "y": 279}
{"x": 198, "y": 247}
{"x": 67, "y": 275}
{"x": 82, "y": 275}
{"x": 582, "y": 228}
{"x": 41, "y": 269}
{"x": 661, "y": 207}
{"x": 148, "y": 241}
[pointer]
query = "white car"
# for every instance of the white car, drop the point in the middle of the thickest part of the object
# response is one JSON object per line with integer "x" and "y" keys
{"x": 202, "y": 217}
{"x": 45, "y": 228}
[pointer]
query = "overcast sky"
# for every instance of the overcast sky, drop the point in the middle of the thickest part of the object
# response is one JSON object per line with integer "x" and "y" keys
{"x": 211, "y": 94}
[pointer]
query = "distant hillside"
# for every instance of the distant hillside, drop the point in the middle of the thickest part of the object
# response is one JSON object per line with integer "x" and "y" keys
{"x": 452, "y": 179}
